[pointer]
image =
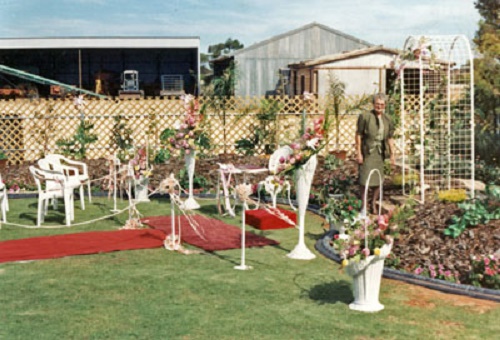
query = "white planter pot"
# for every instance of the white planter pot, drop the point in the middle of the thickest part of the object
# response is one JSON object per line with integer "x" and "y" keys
{"x": 303, "y": 181}
{"x": 367, "y": 275}
{"x": 190, "y": 203}
{"x": 141, "y": 189}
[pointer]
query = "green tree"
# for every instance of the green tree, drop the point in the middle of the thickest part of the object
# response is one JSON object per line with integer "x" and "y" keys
{"x": 487, "y": 67}
{"x": 487, "y": 82}
{"x": 227, "y": 47}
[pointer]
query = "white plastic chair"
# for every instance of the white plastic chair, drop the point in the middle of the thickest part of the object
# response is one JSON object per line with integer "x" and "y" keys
{"x": 71, "y": 168}
{"x": 4, "y": 200}
{"x": 56, "y": 186}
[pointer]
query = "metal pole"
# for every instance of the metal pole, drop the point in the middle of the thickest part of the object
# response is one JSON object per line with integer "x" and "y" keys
{"x": 80, "y": 67}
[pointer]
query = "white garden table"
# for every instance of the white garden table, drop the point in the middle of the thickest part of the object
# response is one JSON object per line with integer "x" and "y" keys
{"x": 226, "y": 172}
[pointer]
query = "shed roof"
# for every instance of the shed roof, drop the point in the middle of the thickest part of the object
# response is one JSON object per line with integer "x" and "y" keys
{"x": 286, "y": 34}
{"x": 346, "y": 55}
{"x": 99, "y": 42}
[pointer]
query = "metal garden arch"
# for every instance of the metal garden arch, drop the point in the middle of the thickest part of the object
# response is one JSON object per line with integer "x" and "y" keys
{"x": 437, "y": 114}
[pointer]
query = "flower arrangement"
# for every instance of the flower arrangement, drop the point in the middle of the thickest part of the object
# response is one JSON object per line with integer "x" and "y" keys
{"x": 188, "y": 136}
{"x": 365, "y": 237}
{"x": 308, "y": 145}
{"x": 139, "y": 164}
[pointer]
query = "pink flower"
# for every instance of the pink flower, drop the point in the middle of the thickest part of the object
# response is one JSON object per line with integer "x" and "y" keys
{"x": 282, "y": 159}
{"x": 366, "y": 252}
{"x": 486, "y": 261}
{"x": 489, "y": 272}
{"x": 419, "y": 270}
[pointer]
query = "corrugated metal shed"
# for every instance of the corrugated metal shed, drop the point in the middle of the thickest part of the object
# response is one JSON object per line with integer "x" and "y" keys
{"x": 258, "y": 66}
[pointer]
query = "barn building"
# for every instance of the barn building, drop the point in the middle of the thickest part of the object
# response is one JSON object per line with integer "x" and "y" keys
{"x": 262, "y": 68}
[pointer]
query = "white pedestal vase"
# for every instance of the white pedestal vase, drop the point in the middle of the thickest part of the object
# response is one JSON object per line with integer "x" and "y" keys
{"x": 367, "y": 275}
{"x": 141, "y": 189}
{"x": 190, "y": 203}
{"x": 303, "y": 180}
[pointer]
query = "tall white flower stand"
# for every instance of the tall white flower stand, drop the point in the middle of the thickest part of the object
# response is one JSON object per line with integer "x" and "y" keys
{"x": 303, "y": 180}
{"x": 243, "y": 266}
{"x": 190, "y": 203}
{"x": 141, "y": 189}
{"x": 366, "y": 277}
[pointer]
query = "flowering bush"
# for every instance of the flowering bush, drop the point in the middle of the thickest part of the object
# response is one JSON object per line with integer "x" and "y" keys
{"x": 452, "y": 195}
{"x": 342, "y": 210}
{"x": 139, "y": 164}
{"x": 486, "y": 272}
{"x": 365, "y": 237}
{"x": 188, "y": 136}
{"x": 338, "y": 183}
{"x": 309, "y": 144}
{"x": 438, "y": 272}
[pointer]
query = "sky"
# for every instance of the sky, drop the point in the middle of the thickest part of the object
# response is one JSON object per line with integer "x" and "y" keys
{"x": 380, "y": 22}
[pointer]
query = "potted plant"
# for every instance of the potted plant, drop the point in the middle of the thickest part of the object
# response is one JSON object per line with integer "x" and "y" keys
{"x": 363, "y": 253}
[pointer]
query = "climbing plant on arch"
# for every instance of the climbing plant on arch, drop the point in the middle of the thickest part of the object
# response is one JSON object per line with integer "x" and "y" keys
{"x": 437, "y": 112}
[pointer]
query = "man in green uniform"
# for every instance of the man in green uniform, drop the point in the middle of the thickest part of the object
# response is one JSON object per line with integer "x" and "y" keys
{"x": 374, "y": 144}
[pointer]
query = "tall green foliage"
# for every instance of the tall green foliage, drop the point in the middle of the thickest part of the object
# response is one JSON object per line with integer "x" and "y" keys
{"x": 487, "y": 67}
{"x": 219, "y": 92}
{"x": 77, "y": 145}
{"x": 122, "y": 137}
{"x": 265, "y": 132}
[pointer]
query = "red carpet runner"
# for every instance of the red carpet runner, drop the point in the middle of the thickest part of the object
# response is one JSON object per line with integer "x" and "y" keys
{"x": 45, "y": 247}
{"x": 217, "y": 234}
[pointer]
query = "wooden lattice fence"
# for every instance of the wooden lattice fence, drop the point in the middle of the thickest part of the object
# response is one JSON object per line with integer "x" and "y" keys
{"x": 30, "y": 128}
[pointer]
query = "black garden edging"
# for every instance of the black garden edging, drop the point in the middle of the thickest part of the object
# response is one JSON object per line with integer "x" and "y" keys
{"x": 323, "y": 246}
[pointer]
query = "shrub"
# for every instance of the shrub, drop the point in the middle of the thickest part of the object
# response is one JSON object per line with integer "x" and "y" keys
{"x": 485, "y": 272}
{"x": 410, "y": 179}
{"x": 452, "y": 195}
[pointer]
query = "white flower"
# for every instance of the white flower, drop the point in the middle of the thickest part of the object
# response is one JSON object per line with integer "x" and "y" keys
{"x": 177, "y": 125}
{"x": 308, "y": 96}
{"x": 312, "y": 143}
{"x": 187, "y": 98}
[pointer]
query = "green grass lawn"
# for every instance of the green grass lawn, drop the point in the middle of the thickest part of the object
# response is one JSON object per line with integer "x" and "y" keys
{"x": 157, "y": 294}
